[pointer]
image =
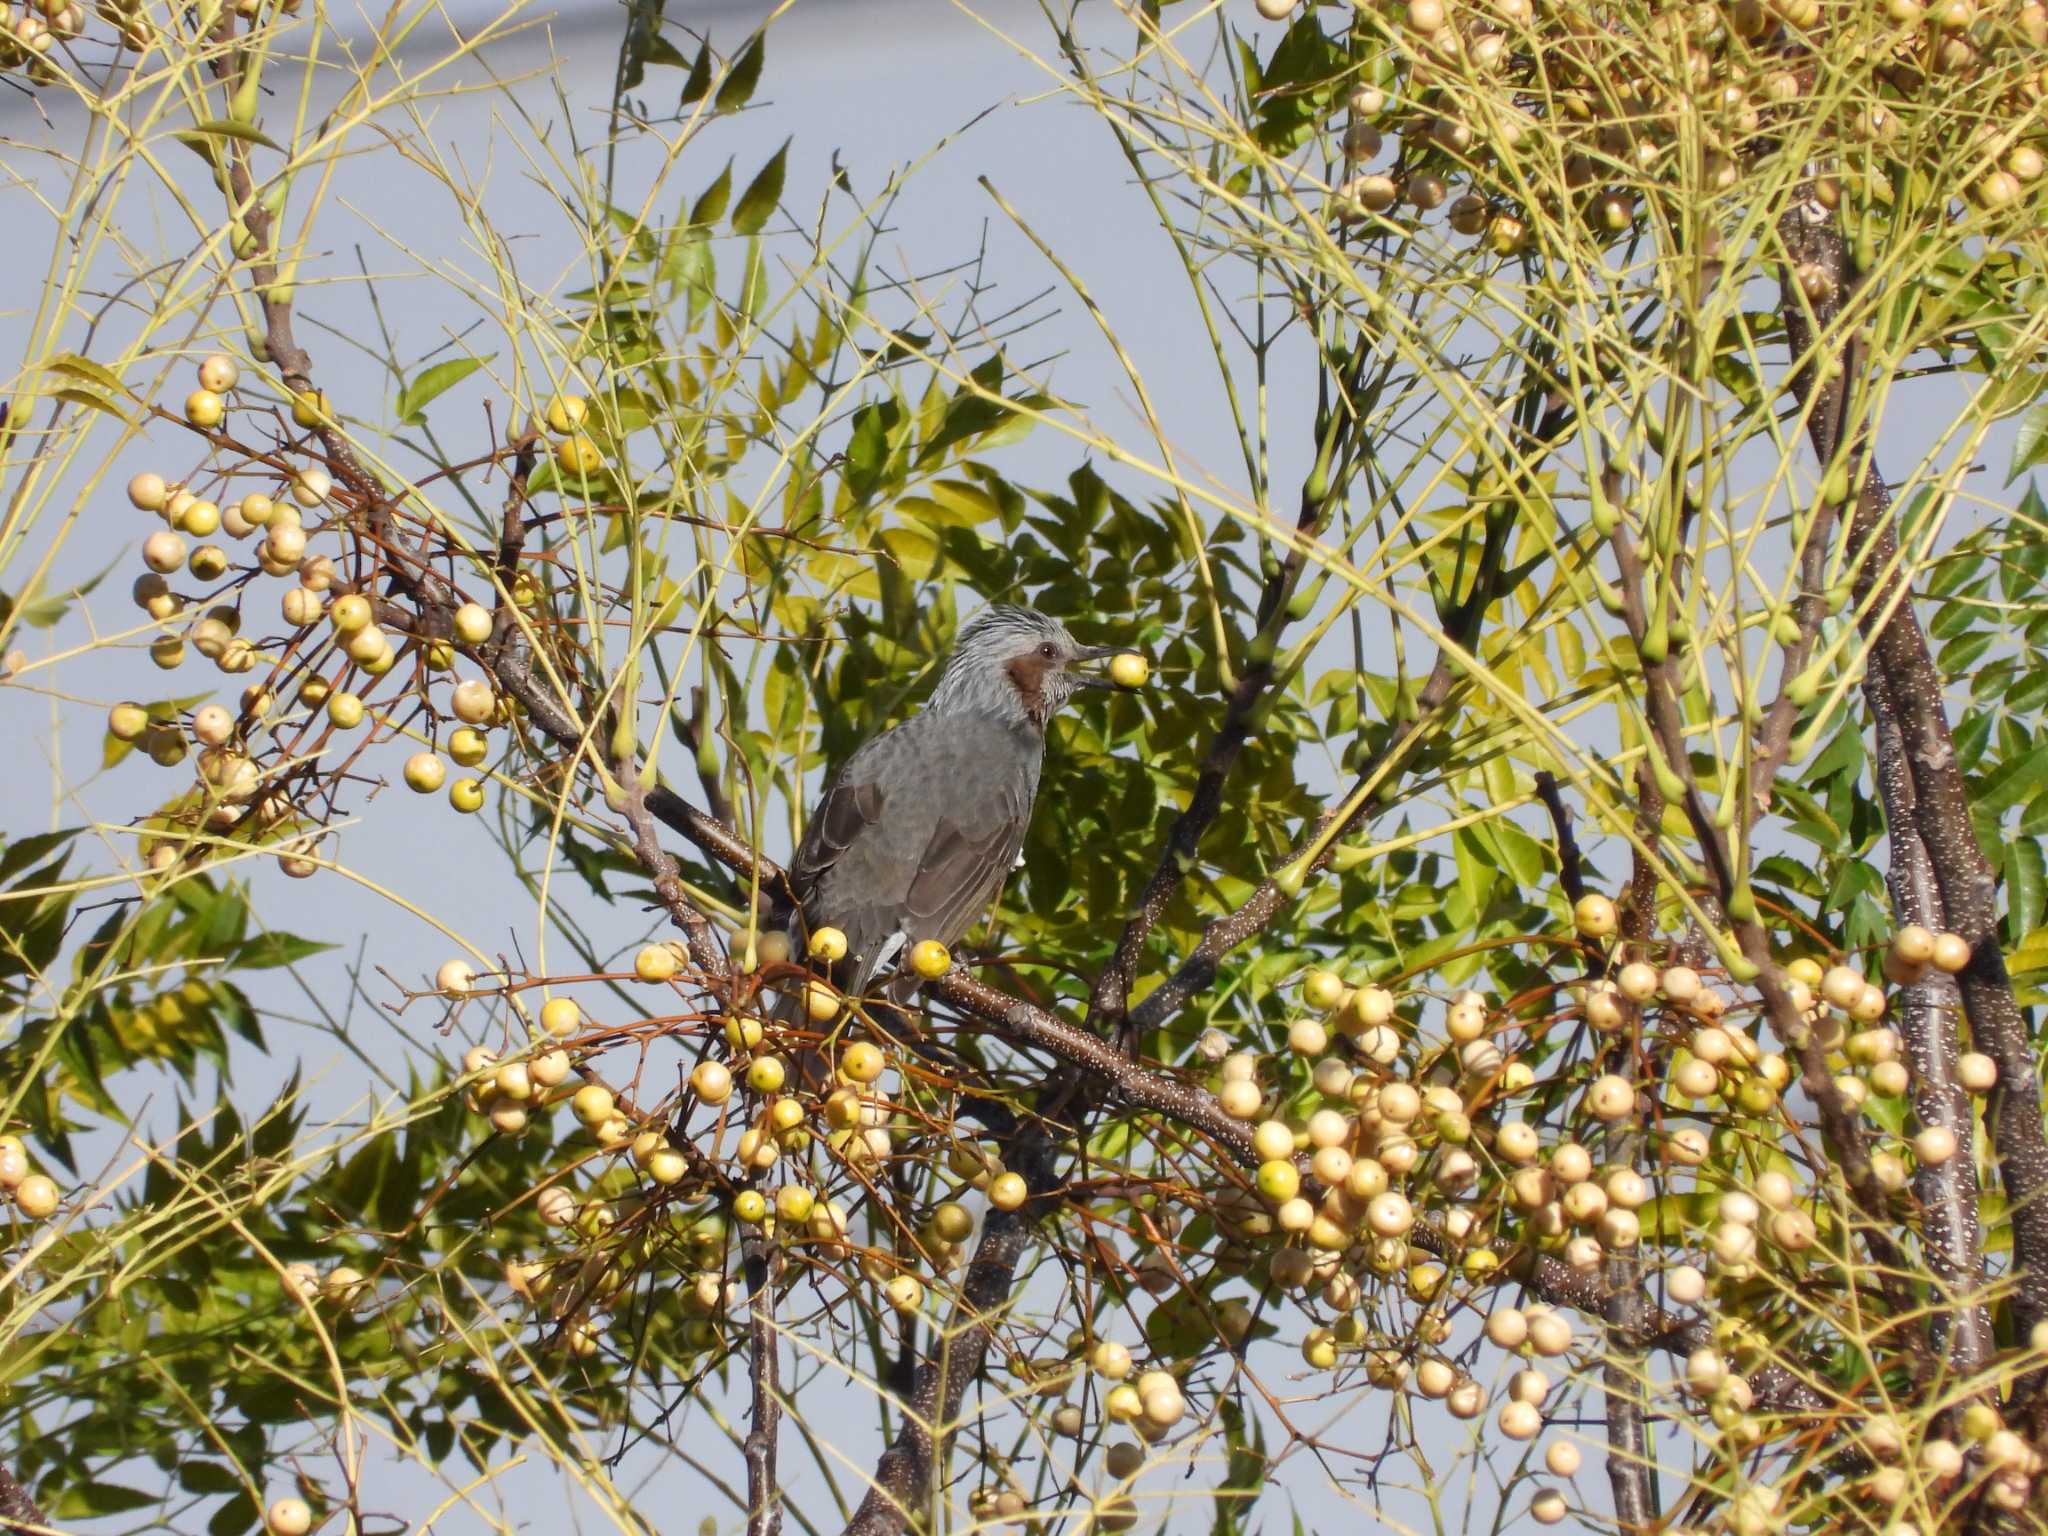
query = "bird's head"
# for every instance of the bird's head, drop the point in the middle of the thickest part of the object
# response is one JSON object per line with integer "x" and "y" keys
{"x": 1016, "y": 663}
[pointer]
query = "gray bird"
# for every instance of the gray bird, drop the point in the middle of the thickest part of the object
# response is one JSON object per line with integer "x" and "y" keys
{"x": 917, "y": 831}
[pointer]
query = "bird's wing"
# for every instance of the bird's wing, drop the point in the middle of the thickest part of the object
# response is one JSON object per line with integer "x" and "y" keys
{"x": 958, "y": 877}
{"x": 849, "y": 808}
{"x": 916, "y": 835}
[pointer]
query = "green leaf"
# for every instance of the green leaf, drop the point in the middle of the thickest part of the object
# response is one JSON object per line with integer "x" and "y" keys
{"x": 90, "y": 1499}
{"x": 266, "y": 951}
{"x": 437, "y": 380}
{"x": 225, "y": 128}
{"x": 207, "y": 1477}
{"x": 1519, "y": 852}
{"x": 753, "y": 282}
{"x": 2012, "y": 782}
{"x": 25, "y": 851}
{"x": 710, "y": 208}
{"x": 763, "y": 193}
{"x": 85, "y": 368}
{"x": 2026, "y": 888}
{"x": 93, "y": 402}
{"x": 699, "y": 83}
{"x": 1964, "y": 652}
{"x": 2029, "y": 443}
{"x": 737, "y": 89}
{"x": 239, "y": 1514}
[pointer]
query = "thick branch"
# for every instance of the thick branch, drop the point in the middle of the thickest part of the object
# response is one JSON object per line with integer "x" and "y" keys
{"x": 902, "y": 1485}
{"x": 1950, "y": 1229}
{"x": 764, "y": 1493}
{"x": 1899, "y": 663}
{"x": 18, "y": 1511}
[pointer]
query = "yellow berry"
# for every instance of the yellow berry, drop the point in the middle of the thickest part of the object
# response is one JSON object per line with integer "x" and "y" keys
{"x": 1129, "y": 670}
{"x": 466, "y": 795}
{"x": 566, "y": 413}
{"x": 578, "y": 455}
{"x": 711, "y": 1082}
{"x": 905, "y": 1293}
{"x": 1595, "y": 917}
{"x": 861, "y": 1062}
{"x": 204, "y": 409}
{"x": 310, "y": 409}
{"x": 827, "y": 944}
{"x": 349, "y": 613}
{"x": 560, "y": 1017}
{"x": 472, "y": 624}
{"x": 147, "y": 491}
{"x": 36, "y": 1195}
{"x": 425, "y": 773}
{"x": 931, "y": 959}
{"x": 656, "y": 962}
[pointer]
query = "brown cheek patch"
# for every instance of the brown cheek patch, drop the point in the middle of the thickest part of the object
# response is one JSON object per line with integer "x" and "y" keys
{"x": 1027, "y": 675}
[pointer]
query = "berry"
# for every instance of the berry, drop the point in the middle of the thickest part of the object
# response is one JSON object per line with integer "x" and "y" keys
{"x": 931, "y": 959}
{"x": 147, "y": 492}
{"x": 349, "y": 613}
{"x": 472, "y": 624}
{"x": 711, "y": 1082}
{"x": 311, "y": 487}
{"x": 466, "y": 795}
{"x": 1951, "y": 952}
{"x": 827, "y": 945}
{"x": 1129, "y": 670}
{"x": 288, "y": 1517}
{"x": 36, "y": 1196}
{"x": 1595, "y": 917}
{"x": 578, "y": 455}
{"x": 425, "y": 773}
{"x": 163, "y": 552}
{"x": 905, "y": 1293}
{"x": 468, "y": 747}
{"x": 219, "y": 374}
{"x": 127, "y": 722}
{"x": 205, "y": 409}
{"x": 861, "y": 1062}
{"x": 656, "y": 962}
{"x": 565, "y": 413}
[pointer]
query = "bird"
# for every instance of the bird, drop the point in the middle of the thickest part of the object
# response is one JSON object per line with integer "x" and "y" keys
{"x": 915, "y": 833}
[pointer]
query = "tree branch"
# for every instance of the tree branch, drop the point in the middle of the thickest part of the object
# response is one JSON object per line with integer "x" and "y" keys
{"x": 902, "y": 1485}
{"x": 1899, "y": 663}
{"x": 19, "y": 1513}
{"x": 764, "y": 1492}
{"x": 1950, "y": 1228}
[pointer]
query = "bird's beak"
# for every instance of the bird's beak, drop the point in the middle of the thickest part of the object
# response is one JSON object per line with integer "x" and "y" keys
{"x": 1096, "y": 653}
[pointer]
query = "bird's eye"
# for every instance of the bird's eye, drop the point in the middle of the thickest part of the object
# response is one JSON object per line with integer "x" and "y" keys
{"x": 1048, "y": 650}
